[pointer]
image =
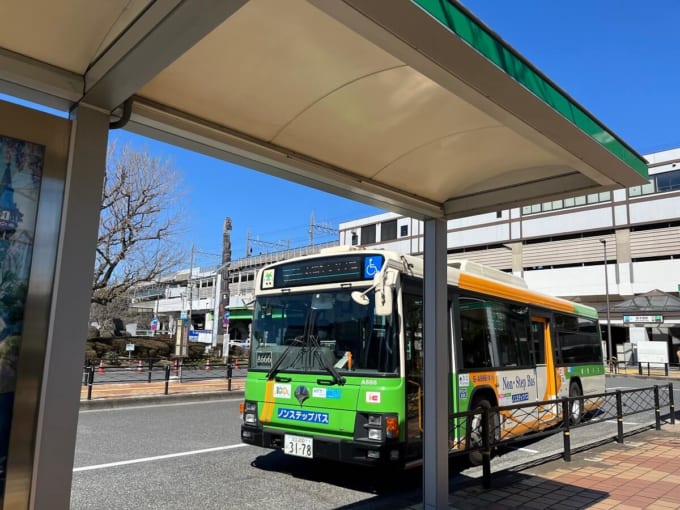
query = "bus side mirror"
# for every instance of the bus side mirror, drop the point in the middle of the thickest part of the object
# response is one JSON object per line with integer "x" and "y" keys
{"x": 384, "y": 283}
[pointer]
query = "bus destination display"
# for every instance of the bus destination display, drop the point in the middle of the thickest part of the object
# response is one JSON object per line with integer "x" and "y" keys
{"x": 325, "y": 270}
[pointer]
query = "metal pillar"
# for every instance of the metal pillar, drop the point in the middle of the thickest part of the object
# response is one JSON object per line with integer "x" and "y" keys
{"x": 606, "y": 289}
{"x": 436, "y": 356}
{"x": 60, "y": 393}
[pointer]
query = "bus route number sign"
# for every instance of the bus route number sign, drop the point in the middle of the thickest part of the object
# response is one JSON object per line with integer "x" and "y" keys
{"x": 298, "y": 446}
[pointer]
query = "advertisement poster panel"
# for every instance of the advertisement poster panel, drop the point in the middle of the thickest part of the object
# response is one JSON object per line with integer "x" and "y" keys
{"x": 21, "y": 167}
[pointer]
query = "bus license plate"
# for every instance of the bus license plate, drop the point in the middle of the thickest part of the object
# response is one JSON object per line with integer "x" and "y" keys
{"x": 298, "y": 446}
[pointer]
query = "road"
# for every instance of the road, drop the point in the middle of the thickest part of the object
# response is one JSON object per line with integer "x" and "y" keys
{"x": 188, "y": 455}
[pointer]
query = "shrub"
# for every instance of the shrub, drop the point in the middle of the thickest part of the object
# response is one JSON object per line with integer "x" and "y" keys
{"x": 90, "y": 356}
{"x": 196, "y": 350}
{"x": 100, "y": 348}
{"x": 111, "y": 358}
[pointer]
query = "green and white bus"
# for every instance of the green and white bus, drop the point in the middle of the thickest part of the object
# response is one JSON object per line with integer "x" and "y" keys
{"x": 336, "y": 365}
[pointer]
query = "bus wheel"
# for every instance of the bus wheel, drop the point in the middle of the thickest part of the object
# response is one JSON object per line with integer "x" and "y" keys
{"x": 476, "y": 439}
{"x": 576, "y": 404}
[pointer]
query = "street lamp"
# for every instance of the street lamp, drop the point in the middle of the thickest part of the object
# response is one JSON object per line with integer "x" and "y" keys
{"x": 606, "y": 289}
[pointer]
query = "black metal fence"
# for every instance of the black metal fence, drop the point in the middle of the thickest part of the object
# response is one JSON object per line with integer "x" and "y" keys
{"x": 165, "y": 372}
{"x": 646, "y": 368}
{"x": 551, "y": 416}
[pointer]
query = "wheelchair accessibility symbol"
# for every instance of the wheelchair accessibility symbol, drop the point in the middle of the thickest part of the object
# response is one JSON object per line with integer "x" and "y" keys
{"x": 372, "y": 266}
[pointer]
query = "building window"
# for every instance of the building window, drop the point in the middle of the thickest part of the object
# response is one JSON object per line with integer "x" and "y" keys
{"x": 668, "y": 181}
{"x": 355, "y": 239}
{"x": 388, "y": 230}
{"x": 645, "y": 189}
{"x": 593, "y": 198}
{"x": 403, "y": 231}
{"x": 368, "y": 234}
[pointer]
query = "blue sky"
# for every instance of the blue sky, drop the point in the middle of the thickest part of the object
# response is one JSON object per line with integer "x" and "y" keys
{"x": 618, "y": 58}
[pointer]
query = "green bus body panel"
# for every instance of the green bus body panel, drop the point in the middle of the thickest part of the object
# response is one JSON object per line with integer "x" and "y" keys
{"x": 340, "y": 403}
{"x": 583, "y": 370}
{"x": 479, "y": 38}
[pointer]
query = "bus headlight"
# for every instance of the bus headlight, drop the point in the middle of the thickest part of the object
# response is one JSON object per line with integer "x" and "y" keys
{"x": 250, "y": 412}
{"x": 375, "y": 434}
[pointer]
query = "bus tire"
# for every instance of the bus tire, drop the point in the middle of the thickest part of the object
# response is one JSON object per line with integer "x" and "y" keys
{"x": 475, "y": 429}
{"x": 576, "y": 406}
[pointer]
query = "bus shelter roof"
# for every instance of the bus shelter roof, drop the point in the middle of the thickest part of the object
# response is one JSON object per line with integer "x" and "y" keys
{"x": 412, "y": 106}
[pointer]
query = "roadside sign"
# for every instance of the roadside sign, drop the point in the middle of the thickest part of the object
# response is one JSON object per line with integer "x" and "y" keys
{"x": 643, "y": 319}
{"x": 129, "y": 347}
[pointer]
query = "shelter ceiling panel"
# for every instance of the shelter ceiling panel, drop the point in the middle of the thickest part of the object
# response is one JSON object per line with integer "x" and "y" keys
{"x": 264, "y": 66}
{"x": 471, "y": 161}
{"x": 69, "y": 34}
{"x": 372, "y": 122}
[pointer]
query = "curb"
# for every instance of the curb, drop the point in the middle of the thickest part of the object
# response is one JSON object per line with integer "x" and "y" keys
{"x": 670, "y": 378}
{"x": 112, "y": 403}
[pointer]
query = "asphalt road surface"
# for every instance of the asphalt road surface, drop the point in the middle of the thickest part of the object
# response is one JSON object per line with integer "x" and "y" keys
{"x": 189, "y": 456}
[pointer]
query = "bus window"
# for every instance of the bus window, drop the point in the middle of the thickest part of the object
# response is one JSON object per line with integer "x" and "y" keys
{"x": 475, "y": 334}
{"x": 494, "y": 334}
{"x": 578, "y": 339}
{"x": 538, "y": 341}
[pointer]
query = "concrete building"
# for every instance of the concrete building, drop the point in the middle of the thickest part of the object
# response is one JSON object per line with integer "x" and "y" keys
{"x": 562, "y": 247}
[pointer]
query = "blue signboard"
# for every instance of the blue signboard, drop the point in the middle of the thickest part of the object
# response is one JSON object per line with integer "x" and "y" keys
{"x": 372, "y": 266}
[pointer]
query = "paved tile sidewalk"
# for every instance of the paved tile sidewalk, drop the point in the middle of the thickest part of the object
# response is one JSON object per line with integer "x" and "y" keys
{"x": 644, "y": 472}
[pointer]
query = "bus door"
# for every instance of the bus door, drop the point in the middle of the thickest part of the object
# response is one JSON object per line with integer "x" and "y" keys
{"x": 413, "y": 345}
{"x": 543, "y": 356}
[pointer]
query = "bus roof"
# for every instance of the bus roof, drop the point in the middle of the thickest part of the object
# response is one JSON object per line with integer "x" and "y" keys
{"x": 465, "y": 274}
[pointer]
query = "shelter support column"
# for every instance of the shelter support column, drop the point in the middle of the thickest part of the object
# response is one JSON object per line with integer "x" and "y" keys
{"x": 55, "y": 435}
{"x": 436, "y": 356}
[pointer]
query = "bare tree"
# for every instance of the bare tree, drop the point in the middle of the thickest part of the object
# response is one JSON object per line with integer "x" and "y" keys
{"x": 139, "y": 223}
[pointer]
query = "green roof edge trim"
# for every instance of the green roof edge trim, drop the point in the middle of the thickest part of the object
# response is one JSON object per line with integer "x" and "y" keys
{"x": 475, "y": 33}
{"x": 586, "y": 311}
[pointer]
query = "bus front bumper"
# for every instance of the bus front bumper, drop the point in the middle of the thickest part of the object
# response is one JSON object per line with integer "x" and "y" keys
{"x": 343, "y": 450}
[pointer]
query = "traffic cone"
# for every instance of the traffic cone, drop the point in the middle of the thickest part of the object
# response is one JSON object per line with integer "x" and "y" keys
{"x": 100, "y": 370}
{"x": 140, "y": 367}
{"x": 207, "y": 364}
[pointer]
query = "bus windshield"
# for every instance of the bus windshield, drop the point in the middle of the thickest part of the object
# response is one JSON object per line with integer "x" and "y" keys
{"x": 322, "y": 331}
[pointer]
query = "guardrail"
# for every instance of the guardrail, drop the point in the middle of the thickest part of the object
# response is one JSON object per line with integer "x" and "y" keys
{"x": 552, "y": 415}
{"x": 646, "y": 368}
{"x": 149, "y": 372}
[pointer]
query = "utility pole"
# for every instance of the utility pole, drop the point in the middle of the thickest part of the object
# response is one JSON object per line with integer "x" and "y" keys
{"x": 324, "y": 227}
{"x": 186, "y": 328}
{"x": 609, "y": 322}
{"x": 191, "y": 291}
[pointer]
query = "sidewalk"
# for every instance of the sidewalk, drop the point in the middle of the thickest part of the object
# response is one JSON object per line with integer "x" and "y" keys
{"x": 116, "y": 394}
{"x": 644, "y": 472}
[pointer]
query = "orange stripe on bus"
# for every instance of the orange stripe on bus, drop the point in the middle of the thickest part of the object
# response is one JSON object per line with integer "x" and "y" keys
{"x": 498, "y": 289}
{"x": 268, "y": 407}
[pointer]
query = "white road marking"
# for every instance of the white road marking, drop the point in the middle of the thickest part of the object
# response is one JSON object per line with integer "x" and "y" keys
{"x": 157, "y": 457}
{"x": 625, "y": 422}
{"x": 529, "y": 450}
{"x": 621, "y": 388}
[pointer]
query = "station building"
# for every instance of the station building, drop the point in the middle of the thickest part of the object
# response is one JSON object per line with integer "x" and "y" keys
{"x": 564, "y": 247}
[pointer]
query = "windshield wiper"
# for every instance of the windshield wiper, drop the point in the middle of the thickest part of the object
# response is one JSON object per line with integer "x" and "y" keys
{"x": 275, "y": 368}
{"x": 337, "y": 378}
